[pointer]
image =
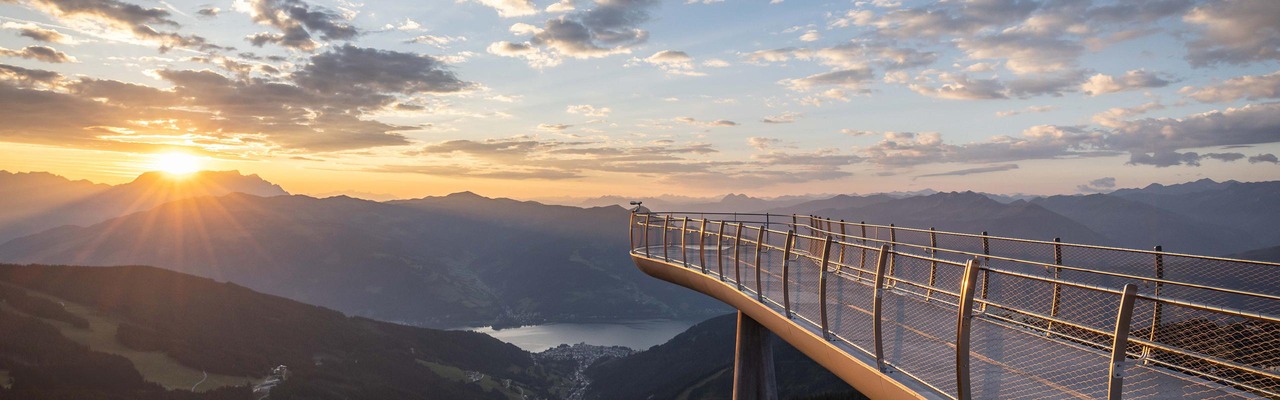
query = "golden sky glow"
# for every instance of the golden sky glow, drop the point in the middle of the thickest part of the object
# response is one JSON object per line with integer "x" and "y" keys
{"x": 701, "y": 98}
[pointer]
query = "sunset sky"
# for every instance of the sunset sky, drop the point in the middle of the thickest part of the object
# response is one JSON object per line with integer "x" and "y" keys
{"x": 538, "y": 99}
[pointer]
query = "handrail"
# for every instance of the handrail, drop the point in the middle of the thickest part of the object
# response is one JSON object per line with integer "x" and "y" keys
{"x": 1139, "y": 326}
{"x": 1055, "y": 244}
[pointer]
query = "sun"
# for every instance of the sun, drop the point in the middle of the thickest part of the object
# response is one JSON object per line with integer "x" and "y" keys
{"x": 175, "y": 163}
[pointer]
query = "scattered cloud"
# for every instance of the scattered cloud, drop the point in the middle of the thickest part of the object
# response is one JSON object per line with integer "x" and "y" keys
{"x": 612, "y": 27}
{"x": 39, "y": 53}
{"x": 671, "y": 62}
{"x": 209, "y": 12}
{"x": 972, "y": 171}
{"x": 588, "y": 110}
{"x": 511, "y": 8}
{"x": 1249, "y": 87}
{"x": 784, "y": 118}
{"x": 961, "y": 87}
{"x": 1132, "y": 80}
{"x": 709, "y": 124}
{"x": 1028, "y": 110}
{"x": 1234, "y": 32}
{"x": 37, "y": 33}
{"x": 437, "y": 40}
{"x": 1261, "y": 158}
{"x": 122, "y": 18}
{"x": 297, "y": 21}
{"x": 1100, "y": 185}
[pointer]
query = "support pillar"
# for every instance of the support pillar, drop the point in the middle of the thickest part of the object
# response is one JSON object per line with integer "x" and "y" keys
{"x": 753, "y": 374}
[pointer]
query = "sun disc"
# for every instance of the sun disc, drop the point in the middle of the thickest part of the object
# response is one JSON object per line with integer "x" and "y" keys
{"x": 175, "y": 163}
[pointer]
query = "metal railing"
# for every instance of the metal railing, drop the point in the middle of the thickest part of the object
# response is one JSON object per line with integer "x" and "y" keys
{"x": 1023, "y": 318}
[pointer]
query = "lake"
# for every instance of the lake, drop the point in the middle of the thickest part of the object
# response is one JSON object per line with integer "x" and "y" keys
{"x": 638, "y": 335}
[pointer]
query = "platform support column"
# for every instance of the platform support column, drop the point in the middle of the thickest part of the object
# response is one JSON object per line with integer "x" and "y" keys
{"x": 753, "y": 374}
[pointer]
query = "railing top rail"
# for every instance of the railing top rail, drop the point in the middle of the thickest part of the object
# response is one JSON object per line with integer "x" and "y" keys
{"x": 974, "y": 235}
{"x": 1051, "y": 243}
{"x": 786, "y": 222}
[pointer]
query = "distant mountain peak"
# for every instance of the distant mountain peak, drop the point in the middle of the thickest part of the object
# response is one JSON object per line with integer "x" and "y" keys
{"x": 464, "y": 195}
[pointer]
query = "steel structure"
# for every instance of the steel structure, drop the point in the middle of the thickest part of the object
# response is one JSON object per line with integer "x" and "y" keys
{"x": 924, "y": 313}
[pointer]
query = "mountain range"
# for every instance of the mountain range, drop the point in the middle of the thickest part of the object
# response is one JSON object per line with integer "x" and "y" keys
{"x": 469, "y": 260}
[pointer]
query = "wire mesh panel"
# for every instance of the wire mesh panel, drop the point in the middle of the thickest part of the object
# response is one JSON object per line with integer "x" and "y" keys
{"x": 849, "y": 311}
{"x": 1241, "y": 352}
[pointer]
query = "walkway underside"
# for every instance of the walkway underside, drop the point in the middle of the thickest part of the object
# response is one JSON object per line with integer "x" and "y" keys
{"x": 918, "y": 333}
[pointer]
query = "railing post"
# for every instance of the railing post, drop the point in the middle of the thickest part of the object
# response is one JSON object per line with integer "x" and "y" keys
{"x": 843, "y": 238}
{"x": 933, "y": 264}
{"x": 986, "y": 275}
{"x": 893, "y": 247}
{"x": 786, "y": 272}
{"x": 702, "y": 246}
{"x": 631, "y": 232}
{"x": 647, "y": 227}
{"x": 720, "y": 251}
{"x": 737, "y": 258}
{"x": 759, "y": 249}
{"x": 822, "y": 287}
{"x": 665, "y": 227}
{"x": 1115, "y": 374}
{"x": 862, "y": 263}
{"x": 794, "y": 224}
{"x": 964, "y": 329}
{"x": 684, "y": 245}
{"x": 1057, "y": 288}
{"x": 1155, "y": 316}
{"x": 878, "y": 293}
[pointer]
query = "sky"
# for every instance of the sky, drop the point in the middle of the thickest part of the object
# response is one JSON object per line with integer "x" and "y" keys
{"x": 582, "y": 98}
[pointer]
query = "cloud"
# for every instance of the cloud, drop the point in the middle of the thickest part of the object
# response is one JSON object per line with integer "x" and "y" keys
{"x": 40, "y": 53}
{"x": 1234, "y": 32}
{"x": 28, "y": 78}
{"x": 763, "y": 143}
{"x": 902, "y": 149}
{"x": 1251, "y": 87}
{"x": 784, "y": 118}
{"x": 436, "y": 40}
{"x": 561, "y": 6}
{"x": 37, "y": 33}
{"x": 961, "y": 87}
{"x": 855, "y": 132}
{"x": 1023, "y": 53}
{"x": 715, "y": 63}
{"x": 810, "y": 36}
{"x": 853, "y": 78}
{"x": 709, "y": 124}
{"x": 1261, "y": 158}
{"x": 1100, "y": 185}
{"x": 588, "y": 110}
{"x": 553, "y": 127}
{"x": 297, "y": 21}
{"x": 325, "y": 105}
{"x": 126, "y": 18}
{"x": 672, "y": 62}
{"x": 1114, "y": 117}
{"x": 612, "y": 27}
{"x": 1132, "y": 80}
{"x": 209, "y": 11}
{"x": 972, "y": 171}
{"x": 1028, "y": 110}
{"x": 1155, "y": 141}
{"x": 512, "y": 8}
{"x": 361, "y": 72}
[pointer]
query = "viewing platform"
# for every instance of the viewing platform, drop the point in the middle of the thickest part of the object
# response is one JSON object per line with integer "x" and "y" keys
{"x": 904, "y": 312}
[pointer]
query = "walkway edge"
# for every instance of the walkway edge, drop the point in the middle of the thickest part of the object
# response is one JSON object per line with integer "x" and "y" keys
{"x": 863, "y": 377}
